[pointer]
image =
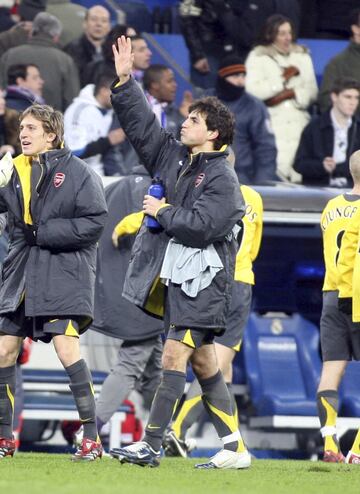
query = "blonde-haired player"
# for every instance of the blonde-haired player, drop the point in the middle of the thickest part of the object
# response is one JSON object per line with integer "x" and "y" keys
{"x": 339, "y": 342}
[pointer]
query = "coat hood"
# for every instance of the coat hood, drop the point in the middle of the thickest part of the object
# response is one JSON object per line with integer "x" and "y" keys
{"x": 86, "y": 95}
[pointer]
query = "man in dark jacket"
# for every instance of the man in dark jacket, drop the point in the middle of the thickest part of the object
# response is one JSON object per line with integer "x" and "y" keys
{"x": 344, "y": 64}
{"x": 138, "y": 362}
{"x": 328, "y": 140}
{"x": 61, "y": 78}
{"x": 160, "y": 86}
{"x": 87, "y": 48}
{"x": 254, "y": 142}
{"x": 24, "y": 87}
{"x": 198, "y": 220}
{"x": 56, "y": 213}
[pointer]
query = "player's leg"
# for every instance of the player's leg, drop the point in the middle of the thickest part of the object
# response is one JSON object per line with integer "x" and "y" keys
{"x": 67, "y": 347}
{"x": 217, "y": 401}
{"x": 150, "y": 379}
{"x": 9, "y": 351}
{"x": 130, "y": 364}
{"x": 328, "y": 407}
{"x": 336, "y": 351}
{"x": 226, "y": 347}
{"x": 175, "y": 442}
{"x": 175, "y": 357}
{"x": 353, "y": 455}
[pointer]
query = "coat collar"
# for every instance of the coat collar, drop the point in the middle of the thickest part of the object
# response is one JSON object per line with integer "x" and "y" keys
{"x": 271, "y": 51}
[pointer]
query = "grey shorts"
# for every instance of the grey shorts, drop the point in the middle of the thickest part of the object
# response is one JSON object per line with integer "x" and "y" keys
{"x": 237, "y": 317}
{"x": 40, "y": 328}
{"x": 339, "y": 336}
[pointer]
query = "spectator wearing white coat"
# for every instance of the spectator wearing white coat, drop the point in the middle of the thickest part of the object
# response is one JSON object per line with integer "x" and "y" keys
{"x": 281, "y": 73}
{"x": 87, "y": 123}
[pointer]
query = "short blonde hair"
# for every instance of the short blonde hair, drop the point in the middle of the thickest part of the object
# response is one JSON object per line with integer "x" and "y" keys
{"x": 355, "y": 166}
{"x": 52, "y": 121}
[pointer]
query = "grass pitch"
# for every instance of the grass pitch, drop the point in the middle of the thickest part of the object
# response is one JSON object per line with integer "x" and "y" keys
{"x": 30, "y": 473}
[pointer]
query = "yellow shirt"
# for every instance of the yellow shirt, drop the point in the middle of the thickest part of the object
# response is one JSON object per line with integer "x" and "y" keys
{"x": 23, "y": 167}
{"x": 251, "y": 239}
{"x": 130, "y": 224}
{"x": 349, "y": 265}
{"x": 334, "y": 220}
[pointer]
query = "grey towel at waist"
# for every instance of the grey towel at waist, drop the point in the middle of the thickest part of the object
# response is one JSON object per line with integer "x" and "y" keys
{"x": 191, "y": 268}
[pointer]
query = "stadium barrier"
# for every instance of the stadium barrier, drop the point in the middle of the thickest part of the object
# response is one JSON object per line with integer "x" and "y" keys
{"x": 47, "y": 397}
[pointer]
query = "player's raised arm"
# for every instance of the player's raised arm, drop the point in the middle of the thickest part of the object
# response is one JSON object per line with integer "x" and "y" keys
{"x": 123, "y": 58}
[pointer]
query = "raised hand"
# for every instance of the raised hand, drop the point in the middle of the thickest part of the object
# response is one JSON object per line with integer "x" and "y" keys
{"x": 123, "y": 58}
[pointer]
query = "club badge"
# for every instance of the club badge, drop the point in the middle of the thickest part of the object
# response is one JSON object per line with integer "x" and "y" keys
{"x": 59, "y": 179}
{"x": 199, "y": 179}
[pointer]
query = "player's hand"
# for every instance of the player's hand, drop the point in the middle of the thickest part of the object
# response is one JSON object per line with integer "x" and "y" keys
{"x": 123, "y": 58}
{"x": 115, "y": 239}
{"x": 185, "y": 104}
{"x": 202, "y": 66}
{"x": 329, "y": 164}
{"x": 6, "y": 169}
{"x": 151, "y": 205}
{"x": 116, "y": 136}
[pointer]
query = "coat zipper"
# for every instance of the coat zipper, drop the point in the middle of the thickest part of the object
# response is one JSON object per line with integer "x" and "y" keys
{"x": 183, "y": 173}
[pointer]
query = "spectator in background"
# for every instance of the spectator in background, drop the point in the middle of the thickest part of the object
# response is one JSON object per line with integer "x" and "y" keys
{"x": 95, "y": 68}
{"x": 280, "y": 72}
{"x": 9, "y": 129}
{"x": 345, "y": 64}
{"x": 87, "y": 123}
{"x": 329, "y": 139}
{"x": 72, "y": 17}
{"x": 6, "y": 21}
{"x": 160, "y": 89}
{"x": 254, "y": 142}
{"x": 20, "y": 33}
{"x": 142, "y": 57}
{"x": 61, "y": 80}
{"x": 24, "y": 87}
{"x": 88, "y": 47}
{"x": 213, "y": 29}
{"x": 119, "y": 159}
{"x": 333, "y": 18}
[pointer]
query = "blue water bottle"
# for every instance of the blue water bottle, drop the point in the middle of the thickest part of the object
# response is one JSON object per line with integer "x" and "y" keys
{"x": 157, "y": 190}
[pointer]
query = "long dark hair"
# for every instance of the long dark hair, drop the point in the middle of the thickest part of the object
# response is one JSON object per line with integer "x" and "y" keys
{"x": 271, "y": 27}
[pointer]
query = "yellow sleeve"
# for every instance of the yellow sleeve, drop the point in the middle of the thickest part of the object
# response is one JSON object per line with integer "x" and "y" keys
{"x": 347, "y": 255}
{"x": 130, "y": 224}
{"x": 255, "y": 246}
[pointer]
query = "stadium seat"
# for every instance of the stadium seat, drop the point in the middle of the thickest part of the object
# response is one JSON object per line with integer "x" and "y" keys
{"x": 283, "y": 365}
{"x": 349, "y": 391}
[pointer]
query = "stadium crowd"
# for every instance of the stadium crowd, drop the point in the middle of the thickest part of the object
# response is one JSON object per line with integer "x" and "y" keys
{"x": 91, "y": 83}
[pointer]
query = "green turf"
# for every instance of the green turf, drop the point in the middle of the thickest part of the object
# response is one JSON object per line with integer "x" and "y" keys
{"x": 30, "y": 473}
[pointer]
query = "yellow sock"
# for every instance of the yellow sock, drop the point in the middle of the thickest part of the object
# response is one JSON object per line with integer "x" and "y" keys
{"x": 331, "y": 444}
{"x": 330, "y": 440}
{"x": 355, "y": 448}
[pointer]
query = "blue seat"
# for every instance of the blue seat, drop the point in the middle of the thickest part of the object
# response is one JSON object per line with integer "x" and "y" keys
{"x": 349, "y": 391}
{"x": 283, "y": 365}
